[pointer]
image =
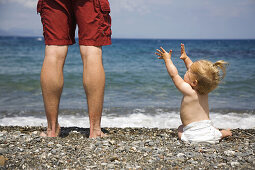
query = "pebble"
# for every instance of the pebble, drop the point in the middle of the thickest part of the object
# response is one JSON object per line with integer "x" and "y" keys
{"x": 53, "y": 151}
{"x": 2, "y": 160}
{"x": 59, "y": 146}
{"x": 43, "y": 155}
{"x": 133, "y": 149}
{"x": 151, "y": 143}
{"x": 111, "y": 166}
{"x": 112, "y": 142}
{"x": 35, "y": 133}
{"x": 229, "y": 153}
{"x": 37, "y": 139}
{"x": 123, "y": 148}
{"x": 21, "y": 149}
{"x": 105, "y": 143}
{"x": 50, "y": 143}
{"x": 180, "y": 155}
{"x": 234, "y": 164}
{"x": 222, "y": 164}
{"x": 113, "y": 158}
{"x": 103, "y": 164}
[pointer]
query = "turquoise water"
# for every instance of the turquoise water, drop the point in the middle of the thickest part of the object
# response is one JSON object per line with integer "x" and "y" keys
{"x": 135, "y": 78}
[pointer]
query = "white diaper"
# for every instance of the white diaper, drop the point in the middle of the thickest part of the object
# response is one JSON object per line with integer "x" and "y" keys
{"x": 201, "y": 132}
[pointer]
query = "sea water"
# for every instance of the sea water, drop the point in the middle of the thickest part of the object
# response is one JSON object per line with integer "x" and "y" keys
{"x": 138, "y": 92}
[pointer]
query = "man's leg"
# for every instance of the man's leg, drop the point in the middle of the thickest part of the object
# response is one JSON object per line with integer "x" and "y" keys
{"x": 94, "y": 83}
{"x": 52, "y": 82}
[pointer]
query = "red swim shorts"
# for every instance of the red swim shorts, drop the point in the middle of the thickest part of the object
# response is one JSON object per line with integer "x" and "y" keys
{"x": 59, "y": 19}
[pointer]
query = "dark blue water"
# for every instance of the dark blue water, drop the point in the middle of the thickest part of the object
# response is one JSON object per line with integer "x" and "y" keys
{"x": 135, "y": 78}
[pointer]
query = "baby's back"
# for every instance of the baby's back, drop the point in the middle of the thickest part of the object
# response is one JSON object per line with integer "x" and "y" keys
{"x": 194, "y": 108}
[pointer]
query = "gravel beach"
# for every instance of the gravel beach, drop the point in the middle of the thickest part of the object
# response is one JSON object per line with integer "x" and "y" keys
{"x": 123, "y": 148}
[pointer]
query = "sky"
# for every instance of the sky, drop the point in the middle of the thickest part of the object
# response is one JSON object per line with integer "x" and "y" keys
{"x": 157, "y": 19}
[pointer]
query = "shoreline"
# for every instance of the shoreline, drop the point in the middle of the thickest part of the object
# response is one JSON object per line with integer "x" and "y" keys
{"x": 137, "y": 118}
{"x": 123, "y": 148}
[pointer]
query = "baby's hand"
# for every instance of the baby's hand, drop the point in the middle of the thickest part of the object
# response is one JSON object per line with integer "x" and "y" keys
{"x": 163, "y": 54}
{"x": 183, "y": 53}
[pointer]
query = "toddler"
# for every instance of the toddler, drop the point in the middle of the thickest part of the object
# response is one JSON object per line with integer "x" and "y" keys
{"x": 201, "y": 78}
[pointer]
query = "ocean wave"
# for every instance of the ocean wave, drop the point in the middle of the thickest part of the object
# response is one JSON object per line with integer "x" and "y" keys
{"x": 139, "y": 118}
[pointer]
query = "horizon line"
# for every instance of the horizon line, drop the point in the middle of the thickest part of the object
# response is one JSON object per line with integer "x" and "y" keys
{"x": 34, "y": 36}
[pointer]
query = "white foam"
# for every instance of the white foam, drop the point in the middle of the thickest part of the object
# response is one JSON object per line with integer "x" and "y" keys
{"x": 159, "y": 120}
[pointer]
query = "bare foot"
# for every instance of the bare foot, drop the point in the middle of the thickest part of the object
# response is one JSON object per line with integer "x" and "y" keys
{"x": 226, "y": 133}
{"x": 50, "y": 133}
{"x": 97, "y": 133}
{"x": 183, "y": 53}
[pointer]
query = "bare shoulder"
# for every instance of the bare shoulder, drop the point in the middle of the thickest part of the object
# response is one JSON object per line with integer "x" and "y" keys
{"x": 184, "y": 87}
{"x": 187, "y": 90}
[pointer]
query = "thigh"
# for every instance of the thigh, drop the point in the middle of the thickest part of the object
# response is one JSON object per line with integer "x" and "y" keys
{"x": 94, "y": 22}
{"x": 58, "y": 21}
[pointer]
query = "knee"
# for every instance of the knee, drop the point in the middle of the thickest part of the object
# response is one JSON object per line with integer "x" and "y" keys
{"x": 55, "y": 54}
{"x": 91, "y": 56}
{"x": 54, "y": 59}
{"x": 90, "y": 50}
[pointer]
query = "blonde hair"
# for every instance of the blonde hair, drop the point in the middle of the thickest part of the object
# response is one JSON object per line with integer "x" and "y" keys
{"x": 208, "y": 74}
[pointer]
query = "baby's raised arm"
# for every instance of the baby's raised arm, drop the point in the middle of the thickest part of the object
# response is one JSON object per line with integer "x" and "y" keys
{"x": 180, "y": 84}
{"x": 185, "y": 58}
